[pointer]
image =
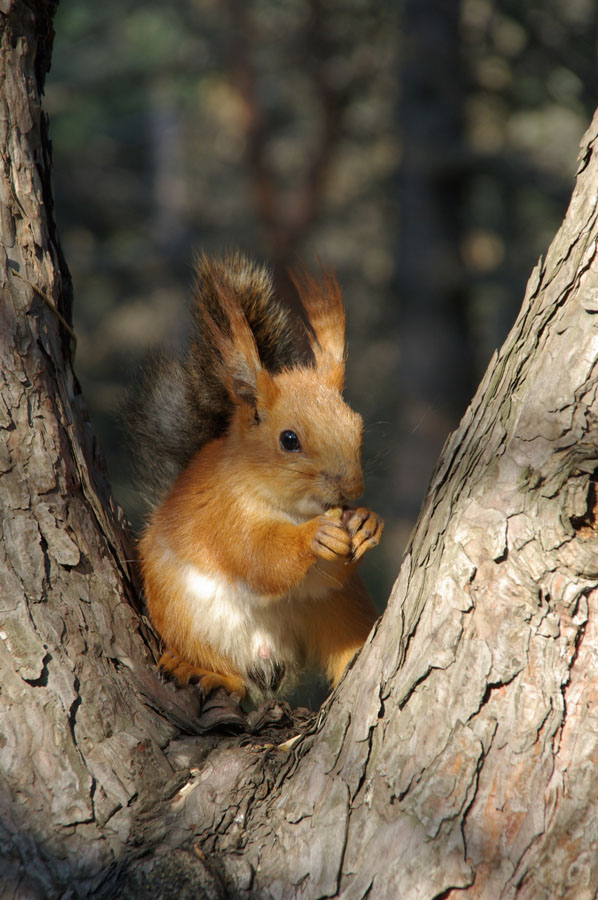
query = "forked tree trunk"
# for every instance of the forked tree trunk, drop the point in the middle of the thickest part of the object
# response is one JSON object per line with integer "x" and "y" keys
{"x": 458, "y": 757}
{"x": 76, "y": 738}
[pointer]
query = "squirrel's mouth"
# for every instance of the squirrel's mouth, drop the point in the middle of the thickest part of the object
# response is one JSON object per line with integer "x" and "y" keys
{"x": 339, "y": 502}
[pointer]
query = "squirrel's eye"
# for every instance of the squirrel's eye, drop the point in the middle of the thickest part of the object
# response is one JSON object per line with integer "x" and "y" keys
{"x": 289, "y": 441}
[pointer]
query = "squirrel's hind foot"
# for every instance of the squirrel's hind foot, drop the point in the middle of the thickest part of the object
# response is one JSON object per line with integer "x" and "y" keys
{"x": 183, "y": 673}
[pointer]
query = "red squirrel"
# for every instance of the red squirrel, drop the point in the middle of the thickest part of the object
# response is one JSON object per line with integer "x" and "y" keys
{"x": 249, "y": 559}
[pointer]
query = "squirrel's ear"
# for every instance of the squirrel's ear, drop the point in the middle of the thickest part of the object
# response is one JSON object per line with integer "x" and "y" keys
{"x": 236, "y": 345}
{"x": 323, "y": 305}
{"x": 259, "y": 393}
{"x": 227, "y": 330}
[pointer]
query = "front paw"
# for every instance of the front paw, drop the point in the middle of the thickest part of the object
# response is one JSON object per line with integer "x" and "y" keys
{"x": 331, "y": 540}
{"x": 365, "y": 529}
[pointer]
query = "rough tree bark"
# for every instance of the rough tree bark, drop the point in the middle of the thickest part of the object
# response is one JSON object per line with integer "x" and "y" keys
{"x": 457, "y": 756}
{"x": 75, "y": 734}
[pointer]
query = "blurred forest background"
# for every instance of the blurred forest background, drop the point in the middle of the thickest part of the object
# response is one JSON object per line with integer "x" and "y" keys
{"x": 425, "y": 149}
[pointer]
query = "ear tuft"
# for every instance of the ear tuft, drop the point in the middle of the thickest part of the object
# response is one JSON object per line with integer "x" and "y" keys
{"x": 323, "y": 305}
{"x": 225, "y": 328}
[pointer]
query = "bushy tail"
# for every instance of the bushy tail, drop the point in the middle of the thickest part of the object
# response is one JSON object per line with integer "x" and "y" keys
{"x": 179, "y": 403}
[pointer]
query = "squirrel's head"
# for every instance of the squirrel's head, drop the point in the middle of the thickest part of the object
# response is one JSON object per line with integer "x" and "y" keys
{"x": 298, "y": 434}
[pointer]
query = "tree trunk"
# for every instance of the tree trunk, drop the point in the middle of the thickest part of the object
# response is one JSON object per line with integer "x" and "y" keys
{"x": 458, "y": 753}
{"x": 76, "y": 736}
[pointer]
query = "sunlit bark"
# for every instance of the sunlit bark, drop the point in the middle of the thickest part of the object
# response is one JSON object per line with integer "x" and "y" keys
{"x": 458, "y": 754}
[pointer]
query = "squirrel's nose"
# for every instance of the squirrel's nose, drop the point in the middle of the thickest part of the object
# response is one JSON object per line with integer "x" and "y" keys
{"x": 351, "y": 487}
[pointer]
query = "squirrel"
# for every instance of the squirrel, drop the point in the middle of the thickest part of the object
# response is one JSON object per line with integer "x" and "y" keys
{"x": 249, "y": 556}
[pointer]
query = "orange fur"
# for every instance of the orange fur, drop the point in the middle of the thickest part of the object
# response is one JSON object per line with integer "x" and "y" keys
{"x": 249, "y": 562}
{"x": 207, "y": 674}
{"x": 339, "y": 626}
{"x": 323, "y": 305}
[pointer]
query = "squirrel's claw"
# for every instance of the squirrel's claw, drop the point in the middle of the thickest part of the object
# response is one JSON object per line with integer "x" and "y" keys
{"x": 365, "y": 528}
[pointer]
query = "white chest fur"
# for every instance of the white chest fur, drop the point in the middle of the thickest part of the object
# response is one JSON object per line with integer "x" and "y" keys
{"x": 260, "y": 635}
{"x": 253, "y": 631}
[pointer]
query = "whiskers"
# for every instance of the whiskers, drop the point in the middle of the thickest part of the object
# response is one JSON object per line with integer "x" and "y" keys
{"x": 376, "y": 436}
{"x": 373, "y": 463}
